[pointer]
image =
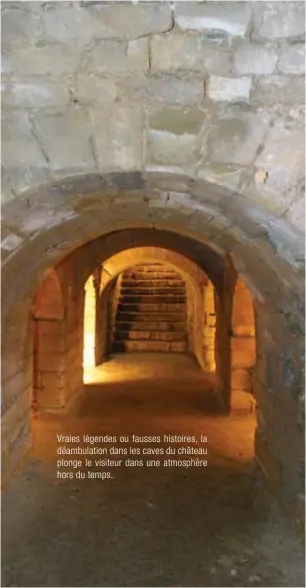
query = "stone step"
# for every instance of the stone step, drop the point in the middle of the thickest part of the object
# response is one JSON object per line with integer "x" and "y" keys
{"x": 150, "y": 336}
{"x": 137, "y": 325}
{"x": 174, "y": 346}
{"x": 151, "y": 299}
{"x": 155, "y": 307}
{"x": 142, "y": 290}
{"x": 148, "y": 283}
{"x": 126, "y": 316}
{"x": 152, "y": 275}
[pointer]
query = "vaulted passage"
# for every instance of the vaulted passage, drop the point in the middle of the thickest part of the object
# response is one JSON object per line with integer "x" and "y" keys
{"x": 148, "y": 332}
{"x": 153, "y": 288}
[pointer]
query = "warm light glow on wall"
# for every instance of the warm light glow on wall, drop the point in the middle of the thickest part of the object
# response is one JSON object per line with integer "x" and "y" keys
{"x": 89, "y": 324}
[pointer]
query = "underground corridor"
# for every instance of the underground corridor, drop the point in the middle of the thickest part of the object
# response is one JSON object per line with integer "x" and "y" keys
{"x": 151, "y": 335}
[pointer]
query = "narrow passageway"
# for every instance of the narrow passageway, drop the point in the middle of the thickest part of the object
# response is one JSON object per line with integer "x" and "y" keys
{"x": 147, "y": 526}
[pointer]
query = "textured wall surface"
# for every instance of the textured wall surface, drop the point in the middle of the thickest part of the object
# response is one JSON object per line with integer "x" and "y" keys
{"x": 213, "y": 89}
{"x": 185, "y": 118}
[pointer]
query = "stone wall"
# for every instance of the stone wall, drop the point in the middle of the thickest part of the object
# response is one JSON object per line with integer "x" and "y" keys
{"x": 50, "y": 345}
{"x": 211, "y": 89}
{"x": 209, "y": 327}
{"x": 106, "y": 146}
{"x": 243, "y": 349}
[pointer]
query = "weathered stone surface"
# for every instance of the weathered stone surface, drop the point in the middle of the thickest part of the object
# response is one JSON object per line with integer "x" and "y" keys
{"x": 138, "y": 55}
{"x": 129, "y": 21}
{"x": 255, "y": 58}
{"x": 164, "y": 148}
{"x": 90, "y": 89}
{"x": 284, "y": 149}
{"x": 274, "y": 20}
{"x": 66, "y": 24}
{"x": 223, "y": 175}
{"x": 172, "y": 51}
{"x": 20, "y": 147}
{"x": 282, "y": 160}
{"x": 232, "y": 19}
{"x": 279, "y": 89}
{"x": 292, "y": 59}
{"x": 162, "y": 89}
{"x": 65, "y": 139}
{"x": 39, "y": 93}
{"x": 117, "y": 137}
{"x": 296, "y": 213}
{"x": 236, "y": 137}
{"x": 222, "y": 89}
{"x": 179, "y": 121}
{"x": 44, "y": 59}
{"x": 189, "y": 52}
{"x": 241, "y": 379}
{"x": 118, "y": 57}
{"x": 19, "y": 26}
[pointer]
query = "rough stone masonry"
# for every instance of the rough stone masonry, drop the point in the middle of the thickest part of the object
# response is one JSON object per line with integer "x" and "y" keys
{"x": 187, "y": 116}
{"x": 212, "y": 89}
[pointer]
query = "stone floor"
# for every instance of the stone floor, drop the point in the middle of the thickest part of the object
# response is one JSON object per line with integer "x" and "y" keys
{"x": 213, "y": 526}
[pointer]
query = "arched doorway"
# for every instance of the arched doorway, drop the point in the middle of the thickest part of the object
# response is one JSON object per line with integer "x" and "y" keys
{"x": 206, "y": 235}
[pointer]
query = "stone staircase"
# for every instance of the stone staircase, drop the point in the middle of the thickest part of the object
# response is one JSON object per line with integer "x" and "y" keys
{"x": 151, "y": 313}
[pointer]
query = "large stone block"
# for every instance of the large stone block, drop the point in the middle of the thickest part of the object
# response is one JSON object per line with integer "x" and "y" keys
{"x": 292, "y": 59}
{"x": 128, "y": 21}
{"x": 19, "y": 146}
{"x": 91, "y": 89}
{"x": 222, "y": 174}
{"x": 243, "y": 352}
{"x": 236, "y": 137}
{"x": 138, "y": 55}
{"x": 242, "y": 402}
{"x": 228, "y": 18}
{"x": 50, "y": 362}
{"x": 189, "y": 52}
{"x": 43, "y": 60}
{"x": 162, "y": 89}
{"x": 241, "y": 379}
{"x": 65, "y": 137}
{"x": 51, "y": 399}
{"x": 52, "y": 380}
{"x": 165, "y": 148}
{"x": 19, "y": 26}
{"x": 221, "y": 89}
{"x": 255, "y": 58}
{"x": 68, "y": 24}
{"x": 117, "y": 136}
{"x": 175, "y": 52}
{"x": 118, "y": 57}
{"x": 276, "y": 20}
{"x": 179, "y": 120}
{"x": 276, "y": 89}
{"x": 283, "y": 161}
{"x": 39, "y": 93}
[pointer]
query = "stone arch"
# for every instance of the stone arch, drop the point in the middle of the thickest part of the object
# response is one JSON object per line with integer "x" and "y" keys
{"x": 43, "y": 226}
{"x": 194, "y": 277}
